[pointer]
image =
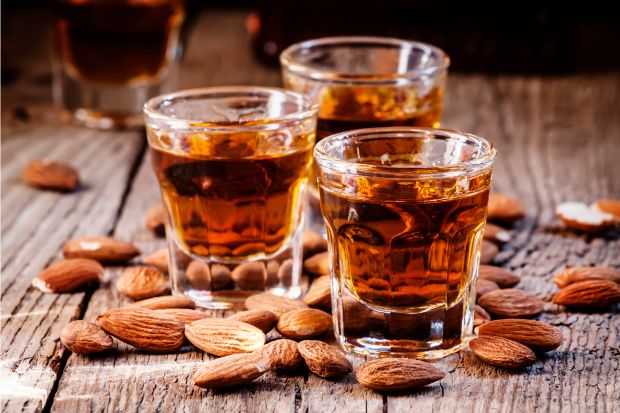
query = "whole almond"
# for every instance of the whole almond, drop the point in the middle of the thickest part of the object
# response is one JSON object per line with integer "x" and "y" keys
{"x": 144, "y": 329}
{"x": 484, "y": 287}
{"x": 511, "y": 303}
{"x": 610, "y": 206}
{"x": 589, "y": 294}
{"x": 576, "y": 274}
{"x": 503, "y": 207}
{"x": 159, "y": 260}
{"x": 284, "y": 354}
{"x": 285, "y": 273}
{"x": 262, "y": 319}
{"x": 313, "y": 243}
{"x": 82, "y": 337}
{"x": 162, "y": 302}
{"x": 184, "y": 315}
{"x": 304, "y": 323}
{"x": 155, "y": 218}
{"x": 222, "y": 337}
{"x": 496, "y": 234}
{"x": 501, "y": 352}
{"x": 319, "y": 294}
{"x": 273, "y": 266}
{"x": 488, "y": 251}
{"x": 480, "y": 316}
{"x": 250, "y": 276}
{"x": 394, "y": 374}
{"x": 503, "y": 278}
{"x": 540, "y": 337}
{"x": 274, "y": 303}
{"x": 324, "y": 360}
{"x": 102, "y": 249}
{"x": 201, "y": 277}
{"x": 232, "y": 371}
{"x": 317, "y": 264}
{"x": 139, "y": 283}
{"x": 68, "y": 275}
{"x": 48, "y": 174}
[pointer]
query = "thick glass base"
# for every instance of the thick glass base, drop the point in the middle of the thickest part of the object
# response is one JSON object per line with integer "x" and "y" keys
{"x": 399, "y": 348}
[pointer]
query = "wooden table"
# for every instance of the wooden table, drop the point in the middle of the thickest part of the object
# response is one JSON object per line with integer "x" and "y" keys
{"x": 558, "y": 139}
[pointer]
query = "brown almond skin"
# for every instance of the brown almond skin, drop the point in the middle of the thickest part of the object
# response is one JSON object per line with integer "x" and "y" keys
{"x": 82, "y": 337}
{"x": 159, "y": 260}
{"x": 222, "y": 337}
{"x": 480, "y": 316}
{"x": 142, "y": 282}
{"x": 285, "y": 273}
{"x": 500, "y": 276}
{"x": 576, "y": 274}
{"x": 611, "y": 206}
{"x": 48, "y": 174}
{"x": 304, "y": 324}
{"x": 496, "y": 234}
{"x": 102, "y": 249}
{"x": 164, "y": 301}
{"x": 232, "y": 371}
{"x": 184, "y": 315}
{"x": 154, "y": 220}
{"x": 484, "y": 287}
{"x": 501, "y": 352}
{"x": 250, "y": 276}
{"x": 324, "y": 360}
{"x": 313, "y": 243}
{"x": 144, "y": 329}
{"x": 68, "y": 275}
{"x": 511, "y": 303}
{"x": 589, "y": 294}
{"x": 488, "y": 251}
{"x": 262, "y": 319}
{"x": 274, "y": 303}
{"x": 504, "y": 208}
{"x": 395, "y": 374}
{"x": 540, "y": 337}
{"x": 319, "y": 294}
{"x": 284, "y": 354}
{"x": 317, "y": 264}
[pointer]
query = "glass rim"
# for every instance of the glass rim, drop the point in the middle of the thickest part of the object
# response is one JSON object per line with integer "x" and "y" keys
{"x": 152, "y": 109}
{"x": 327, "y": 161}
{"x": 288, "y": 61}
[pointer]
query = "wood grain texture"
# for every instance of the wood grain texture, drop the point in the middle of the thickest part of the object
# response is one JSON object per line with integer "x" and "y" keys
{"x": 558, "y": 139}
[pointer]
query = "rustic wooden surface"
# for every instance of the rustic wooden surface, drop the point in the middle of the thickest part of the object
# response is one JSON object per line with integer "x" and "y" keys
{"x": 558, "y": 140}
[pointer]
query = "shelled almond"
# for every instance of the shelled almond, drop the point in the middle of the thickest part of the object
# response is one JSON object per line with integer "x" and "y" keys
{"x": 49, "y": 174}
{"x": 142, "y": 282}
{"x": 82, "y": 337}
{"x": 102, "y": 249}
{"x": 576, "y": 274}
{"x": 262, "y": 319}
{"x": 68, "y": 275}
{"x": 159, "y": 260}
{"x": 154, "y": 219}
{"x": 324, "y": 360}
{"x": 222, "y": 337}
{"x": 284, "y": 354}
{"x": 589, "y": 294}
{"x": 232, "y": 371}
{"x": 397, "y": 374}
{"x": 511, "y": 303}
{"x": 304, "y": 323}
{"x": 501, "y": 352}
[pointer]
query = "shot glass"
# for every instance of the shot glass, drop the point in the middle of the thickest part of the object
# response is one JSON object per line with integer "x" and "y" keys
{"x": 405, "y": 209}
{"x": 110, "y": 57}
{"x": 232, "y": 164}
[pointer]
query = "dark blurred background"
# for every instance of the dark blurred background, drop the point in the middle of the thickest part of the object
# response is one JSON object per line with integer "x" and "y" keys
{"x": 523, "y": 36}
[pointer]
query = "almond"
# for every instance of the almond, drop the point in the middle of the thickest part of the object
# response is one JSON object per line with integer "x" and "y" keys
{"x": 250, "y": 276}
{"x": 155, "y": 218}
{"x": 503, "y": 278}
{"x": 589, "y": 294}
{"x": 317, "y": 264}
{"x": 162, "y": 302}
{"x": 394, "y": 374}
{"x": 184, "y": 315}
{"x": 273, "y": 267}
{"x": 159, "y": 260}
{"x": 262, "y": 319}
{"x": 576, "y": 274}
{"x": 304, "y": 323}
{"x": 82, "y": 337}
{"x": 480, "y": 316}
{"x": 285, "y": 273}
{"x": 284, "y": 354}
{"x": 222, "y": 337}
{"x": 503, "y": 207}
{"x": 319, "y": 294}
{"x": 274, "y": 303}
{"x": 540, "y": 337}
{"x": 324, "y": 360}
{"x": 501, "y": 352}
{"x": 48, "y": 174}
{"x": 139, "y": 283}
{"x": 496, "y": 234}
{"x": 232, "y": 371}
{"x": 511, "y": 303}
{"x": 582, "y": 217}
{"x": 610, "y": 206}
{"x": 68, "y": 275}
{"x": 484, "y": 287}
{"x": 144, "y": 329}
{"x": 201, "y": 277}
{"x": 313, "y": 243}
{"x": 102, "y": 249}
{"x": 488, "y": 251}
